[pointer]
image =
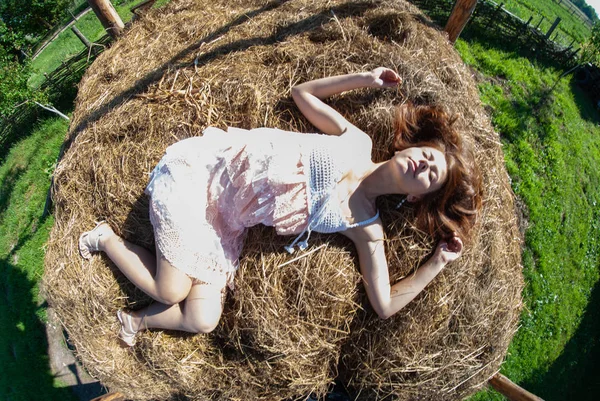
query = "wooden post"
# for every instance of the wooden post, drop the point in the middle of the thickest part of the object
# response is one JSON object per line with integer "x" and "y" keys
{"x": 497, "y": 12}
{"x": 81, "y": 37}
{"x": 510, "y": 390}
{"x": 461, "y": 12}
{"x": 523, "y": 28}
{"x": 108, "y": 16}
{"x": 553, "y": 27}
{"x": 539, "y": 23}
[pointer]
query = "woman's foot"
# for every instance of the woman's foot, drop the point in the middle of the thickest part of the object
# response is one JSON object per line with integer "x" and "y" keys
{"x": 127, "y": 333}
{"x": 92, "y": 241}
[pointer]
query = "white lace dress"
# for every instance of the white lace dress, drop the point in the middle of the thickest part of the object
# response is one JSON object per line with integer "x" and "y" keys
{"x": 207, "y": 190}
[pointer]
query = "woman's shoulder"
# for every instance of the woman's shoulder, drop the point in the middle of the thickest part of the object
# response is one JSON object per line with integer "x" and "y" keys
{"x": 358, "y": 139}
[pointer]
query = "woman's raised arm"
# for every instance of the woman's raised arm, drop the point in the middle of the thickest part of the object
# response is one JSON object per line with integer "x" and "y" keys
{"x": 309, "y": 95}
{"x": 386, "y": 300}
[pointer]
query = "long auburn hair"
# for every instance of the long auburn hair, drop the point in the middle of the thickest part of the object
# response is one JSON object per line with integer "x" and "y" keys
{"x": 454, "y": 207}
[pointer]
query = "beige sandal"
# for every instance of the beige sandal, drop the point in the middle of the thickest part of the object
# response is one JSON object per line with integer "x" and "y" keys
{"x": 89, "y": 241}
{"x": 127, "y": 335}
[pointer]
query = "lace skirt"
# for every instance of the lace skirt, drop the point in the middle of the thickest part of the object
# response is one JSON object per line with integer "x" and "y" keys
{"x": 207, "y": 190}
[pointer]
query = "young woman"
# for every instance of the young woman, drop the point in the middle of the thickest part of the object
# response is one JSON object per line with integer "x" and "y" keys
{"x": 207, "y": 190}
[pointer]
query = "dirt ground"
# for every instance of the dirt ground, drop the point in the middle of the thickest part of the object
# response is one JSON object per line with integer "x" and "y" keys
{"x": 65, "y": 367}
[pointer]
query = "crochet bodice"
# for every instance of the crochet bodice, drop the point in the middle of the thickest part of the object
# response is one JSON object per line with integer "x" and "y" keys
{"x": 329, "y": 158}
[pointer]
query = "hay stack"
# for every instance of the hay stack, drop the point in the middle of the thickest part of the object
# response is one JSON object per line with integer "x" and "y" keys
{"x": 232, "y": 63}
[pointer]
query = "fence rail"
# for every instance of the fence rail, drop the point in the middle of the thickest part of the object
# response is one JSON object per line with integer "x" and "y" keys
{"x": 573, "y": 9}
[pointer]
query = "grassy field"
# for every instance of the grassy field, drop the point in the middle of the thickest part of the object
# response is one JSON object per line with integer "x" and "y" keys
{"x": 551, "y": 137}
{"x": 67, "y": 44}
{"x": 550, "y": 133}
{"x": 570, "y": 27}
{"x": 24, "y": 181}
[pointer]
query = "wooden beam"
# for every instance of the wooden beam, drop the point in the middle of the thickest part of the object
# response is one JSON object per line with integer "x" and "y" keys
{"x": 81, "y": 36}
{"x": 108, "y": 16}
{"x": 510, "y": 390}
{"x": 461, "y": 12}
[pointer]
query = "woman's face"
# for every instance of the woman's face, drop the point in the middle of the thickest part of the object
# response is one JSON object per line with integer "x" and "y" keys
{"x": 420, "y": 170}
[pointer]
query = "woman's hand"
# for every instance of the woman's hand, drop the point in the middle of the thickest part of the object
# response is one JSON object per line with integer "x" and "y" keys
{"x": 384, "y": 78}
{"x": 448, "y": 250}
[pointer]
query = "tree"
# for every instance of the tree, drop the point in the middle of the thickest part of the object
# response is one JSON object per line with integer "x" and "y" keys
{"x": 32, "y": 17}
{"x": 586, "y": 9}
{"x": 13, "y": 83}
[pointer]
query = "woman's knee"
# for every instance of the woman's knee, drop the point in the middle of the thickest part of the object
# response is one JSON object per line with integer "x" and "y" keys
{"x": 172, "y": 296}
{"x": 203, "y": 324}
{"x": 202, "y": 310}
{"x": 203, "y": 327}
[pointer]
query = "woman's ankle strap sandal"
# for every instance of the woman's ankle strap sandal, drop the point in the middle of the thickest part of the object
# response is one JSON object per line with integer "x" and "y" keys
{"x": 127, "y": 333}
{"x": 89, "y": 241}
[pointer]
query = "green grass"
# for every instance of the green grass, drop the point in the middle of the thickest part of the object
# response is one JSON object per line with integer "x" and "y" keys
{"x": 570, "y": 27}
{"x": 24, "y": 182}
{"x": 551, "y": 141}
{"x": 552, "y": 152}
{"x": 67, "y": 44}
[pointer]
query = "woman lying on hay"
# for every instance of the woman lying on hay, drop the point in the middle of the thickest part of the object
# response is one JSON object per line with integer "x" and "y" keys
{"x": 207, "y": 190}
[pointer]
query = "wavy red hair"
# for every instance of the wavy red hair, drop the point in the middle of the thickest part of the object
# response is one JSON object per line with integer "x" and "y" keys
{"x": 454, "y": 207}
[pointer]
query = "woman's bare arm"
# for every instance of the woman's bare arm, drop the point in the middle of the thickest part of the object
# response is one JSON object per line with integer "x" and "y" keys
{"x": 385, "y": 299}
{"x": 309, "y": 96}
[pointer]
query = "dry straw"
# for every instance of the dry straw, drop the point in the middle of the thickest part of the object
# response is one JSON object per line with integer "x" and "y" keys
{"x": 291, "y": 327}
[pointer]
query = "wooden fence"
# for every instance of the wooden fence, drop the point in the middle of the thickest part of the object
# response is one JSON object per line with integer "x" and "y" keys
{"x": 573, "y": 9}
{"x": 71, "y": 70}
{"x": 492, "y": 19}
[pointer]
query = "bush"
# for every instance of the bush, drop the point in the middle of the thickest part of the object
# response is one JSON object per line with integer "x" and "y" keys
{"x": 591, "y": 49}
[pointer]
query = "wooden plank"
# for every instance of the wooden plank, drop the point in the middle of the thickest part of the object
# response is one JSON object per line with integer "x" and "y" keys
{"x": 81, "y": 37}
{"x": 461, "y": 12}
{"x": 510, "y": 390}
{"x": 108, "y": 16}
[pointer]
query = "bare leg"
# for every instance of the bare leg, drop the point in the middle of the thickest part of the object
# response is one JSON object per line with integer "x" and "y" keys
{"x": 164, "y": 282}
{"x": 198, "y": 313}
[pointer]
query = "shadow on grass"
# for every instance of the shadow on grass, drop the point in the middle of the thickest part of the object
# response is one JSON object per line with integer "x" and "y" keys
{"x": 584, "y": 102}
{"x": 25, "y": 367}
{"x": 575, "y": 375}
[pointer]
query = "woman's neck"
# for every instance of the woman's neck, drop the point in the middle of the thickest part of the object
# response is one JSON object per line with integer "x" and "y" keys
{"x": 375, "y": 182}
